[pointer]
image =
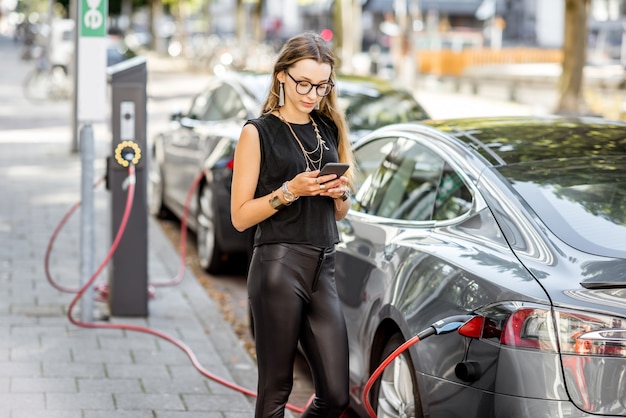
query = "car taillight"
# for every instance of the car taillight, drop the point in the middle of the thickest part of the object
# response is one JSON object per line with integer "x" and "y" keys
{"x": 520, "y": 325}
{"x": 230, "y": 164}
{"x": 591, "y": 334}
{"x": 530, "y": 328}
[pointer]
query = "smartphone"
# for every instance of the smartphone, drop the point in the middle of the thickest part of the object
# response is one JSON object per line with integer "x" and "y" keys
{"x": 334, "y": 168}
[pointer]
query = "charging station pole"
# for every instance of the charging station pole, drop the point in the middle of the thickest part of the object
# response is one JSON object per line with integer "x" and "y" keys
{"x": 90, "y": 96}
{"x": 128, "y": 275}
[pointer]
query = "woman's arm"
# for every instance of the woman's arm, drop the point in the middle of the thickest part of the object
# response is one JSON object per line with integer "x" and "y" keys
{"x": 246, "y": 211}
{"x": 341, "y": 208}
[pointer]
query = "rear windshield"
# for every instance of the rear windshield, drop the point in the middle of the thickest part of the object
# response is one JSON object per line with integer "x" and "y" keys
{"x": 582, "y": 201}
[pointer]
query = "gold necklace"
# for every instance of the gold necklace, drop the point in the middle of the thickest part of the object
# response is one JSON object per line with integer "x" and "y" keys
{"x": 321, "y": 144}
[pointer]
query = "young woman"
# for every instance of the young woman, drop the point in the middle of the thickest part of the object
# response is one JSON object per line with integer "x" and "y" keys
{"x": 276, "y": 187}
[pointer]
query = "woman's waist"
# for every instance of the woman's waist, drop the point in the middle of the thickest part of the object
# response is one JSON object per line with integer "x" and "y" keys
{"x": 305, "y": 248}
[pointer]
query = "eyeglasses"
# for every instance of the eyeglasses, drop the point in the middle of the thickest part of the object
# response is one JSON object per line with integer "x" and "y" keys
{"x": 304, "y": 87}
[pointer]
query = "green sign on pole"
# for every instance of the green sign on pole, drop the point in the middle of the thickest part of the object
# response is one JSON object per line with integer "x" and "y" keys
{"x": 93, "y": 17}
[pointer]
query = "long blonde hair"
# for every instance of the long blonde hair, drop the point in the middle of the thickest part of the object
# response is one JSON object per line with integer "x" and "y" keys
{"x": 310, "y": 45}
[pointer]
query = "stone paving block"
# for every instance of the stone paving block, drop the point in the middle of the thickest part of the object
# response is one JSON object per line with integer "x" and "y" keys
{"x": 191, "y": 334}
{"x": 168, "y": 414}
{"x": 43, "y": 354}
{"x": 49, "y": 309}
{"x": 69, "y": 401}
{"x": 169, "y": 354}
{"x": 39, "y": 330}
{"x": 222, "y": 402}
{"x": 43, "y": 385}
{"x": 118, "y": 414}
{"x": 135, "y": 341}
{"x": 164, "y": 401}
{"x": 118, "y": 355}
{"x": 14, "y": 321}
{"x": 197, "y": 385}
{"x": 131, "y": 385}
{"x": 19, "y": 413}
{"x": 19, "y": 369}
{"x": 22, "y": 298}
{"x": 140, "y": 371}
{"x": 241, "y": 415}
{"x": 84, "y": 370}
{"x": 84, "y": 342}
{"x": 32, "y": 401}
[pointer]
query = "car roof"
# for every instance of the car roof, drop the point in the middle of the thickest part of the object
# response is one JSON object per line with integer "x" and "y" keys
{"x": 514, "y": 140}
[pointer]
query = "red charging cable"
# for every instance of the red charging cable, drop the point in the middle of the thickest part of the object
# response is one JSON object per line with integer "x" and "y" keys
{"x": 80, "y": 292}
{"x": 370, "y": 382}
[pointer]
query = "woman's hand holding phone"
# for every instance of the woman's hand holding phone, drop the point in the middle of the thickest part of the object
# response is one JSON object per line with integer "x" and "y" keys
{"x": 326, "y": 182}
{"x": 329, "y": 179}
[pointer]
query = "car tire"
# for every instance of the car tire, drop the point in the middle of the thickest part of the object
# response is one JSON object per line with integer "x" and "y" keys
{"x": 156, "y": 207}
{"x": 395, "y": 393}
{"x": 210, "y": 257}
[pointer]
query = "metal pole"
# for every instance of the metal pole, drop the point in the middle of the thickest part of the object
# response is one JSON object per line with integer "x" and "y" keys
{"x": 75, "y": 12}
{"x": 87, "y": 221}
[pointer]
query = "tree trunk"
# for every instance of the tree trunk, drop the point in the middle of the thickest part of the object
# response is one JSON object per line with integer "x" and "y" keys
{"x": 242, "y": 24}
{"x": 257, "y": 27}
{"x": 348, "y": 34}
{"x": 574, "y": 55}
{"x": 155, "y": 8}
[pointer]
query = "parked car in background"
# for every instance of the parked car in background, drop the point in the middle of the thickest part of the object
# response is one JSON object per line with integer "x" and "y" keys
{"x": 520, "y": 222}
{"x": 204, "y": 138}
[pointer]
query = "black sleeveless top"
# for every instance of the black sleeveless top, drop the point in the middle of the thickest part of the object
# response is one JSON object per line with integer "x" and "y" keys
{"x": 310, "y": 219}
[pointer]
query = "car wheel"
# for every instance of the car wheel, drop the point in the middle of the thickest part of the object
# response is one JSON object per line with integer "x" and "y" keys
{"x": 210, "y": 256}
{"x": 395, "y": 393}
{"x": 156, "y": 207}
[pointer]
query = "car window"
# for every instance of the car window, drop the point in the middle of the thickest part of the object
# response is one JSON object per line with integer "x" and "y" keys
{"x": 400, "y": 178}
{"x": 368, "y": 157}
{"x": 404, "y": 186}
{"x": 453, "y": 196}
{"x": 199, "y": 104}
{"x": 224, "y": 104}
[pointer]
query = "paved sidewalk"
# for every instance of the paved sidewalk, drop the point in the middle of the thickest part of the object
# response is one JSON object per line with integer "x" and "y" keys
{"x": 51, "y": 368}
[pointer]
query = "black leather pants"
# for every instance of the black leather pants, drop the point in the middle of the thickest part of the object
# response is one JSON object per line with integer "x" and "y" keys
{"x": 293, "y": 297}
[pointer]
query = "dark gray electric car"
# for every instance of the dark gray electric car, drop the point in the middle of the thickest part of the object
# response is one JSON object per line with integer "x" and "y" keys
{"x": 519, "y": 222}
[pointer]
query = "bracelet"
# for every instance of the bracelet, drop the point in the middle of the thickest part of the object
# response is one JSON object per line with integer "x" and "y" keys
{"x": 289, "y": 197}
{"x": 275, "y": 202}
{"x": 345, "y": 195}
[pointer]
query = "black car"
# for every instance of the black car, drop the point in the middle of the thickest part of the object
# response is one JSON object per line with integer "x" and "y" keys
{"x": 205, "y": 137}
{"x": 518, "y": 223}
